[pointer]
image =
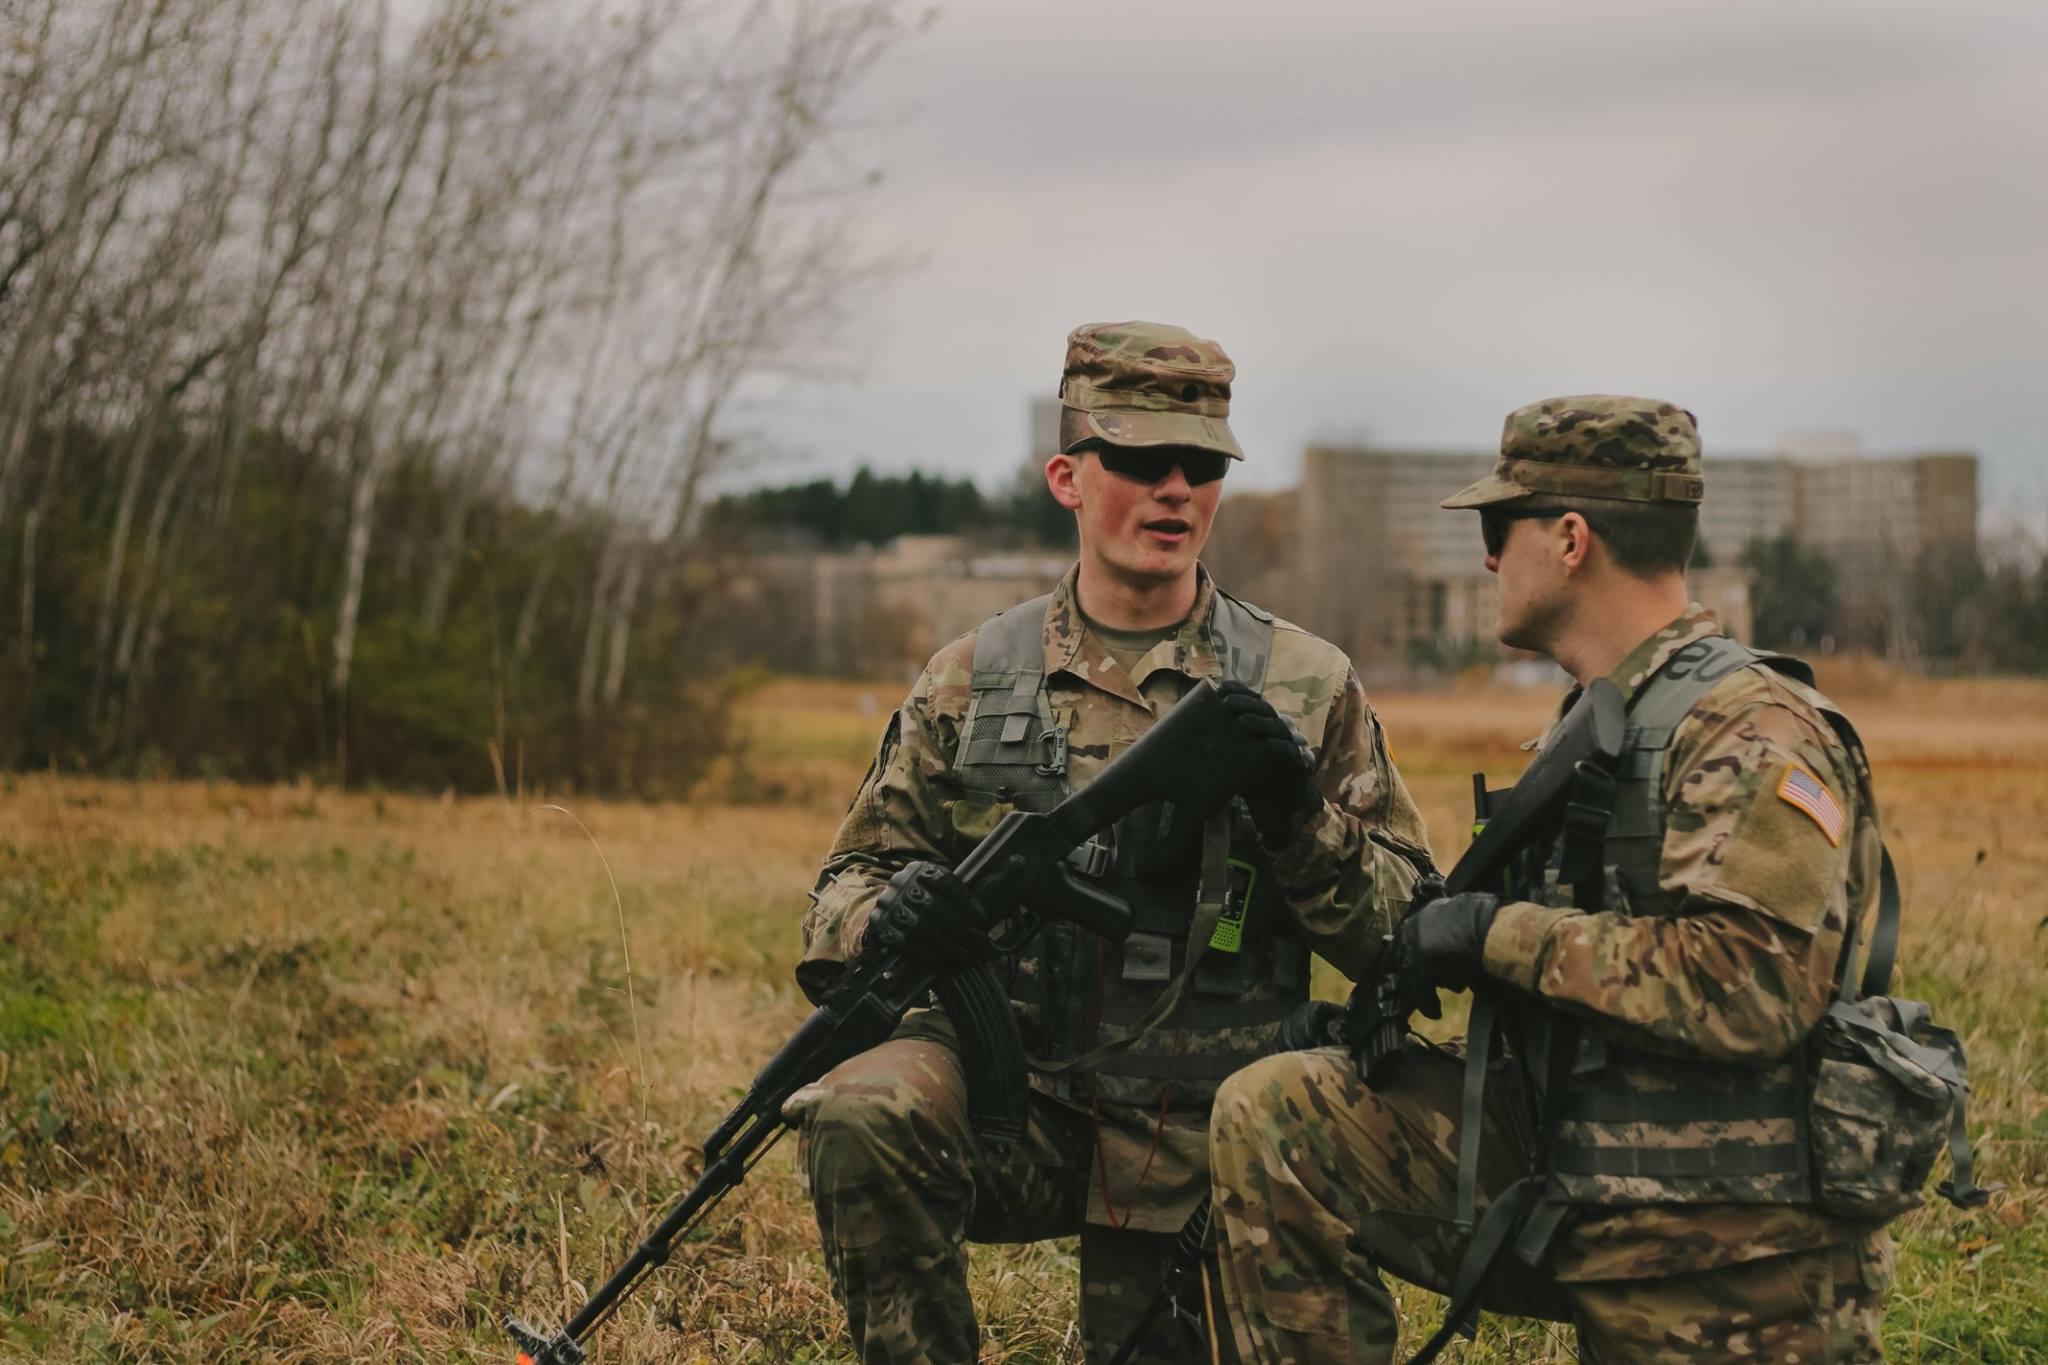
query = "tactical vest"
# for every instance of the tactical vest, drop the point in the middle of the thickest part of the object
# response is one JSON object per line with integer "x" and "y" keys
{"x": 1635, "y": 1127}
{"x": 1073, "y": 992}
{"x": 1629, "y": 1127}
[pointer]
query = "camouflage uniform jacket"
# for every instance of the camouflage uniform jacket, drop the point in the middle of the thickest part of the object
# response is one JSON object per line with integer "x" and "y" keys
{"x": 1764, "y": 891}
{"x": 1346, "y": 876}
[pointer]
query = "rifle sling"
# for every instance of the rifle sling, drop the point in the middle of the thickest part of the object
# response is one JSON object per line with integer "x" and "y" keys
{"x": 1479, "y": 1036}
{"x": 1494, "y": 1233}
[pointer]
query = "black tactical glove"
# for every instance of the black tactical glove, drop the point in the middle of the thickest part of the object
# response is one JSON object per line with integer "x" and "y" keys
{"x": 927, "y": 913}
{"x": 1444, "y": 942}
{"x": 1279, "y": 784}
{"x": 1316, "y": 1024}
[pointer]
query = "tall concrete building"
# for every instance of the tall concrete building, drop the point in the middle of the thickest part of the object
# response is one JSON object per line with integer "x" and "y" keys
{"x": 1748, "y": 498}
{"x": 1898, "y": 508}
{"x": 1381, "y": 565}
{"x": 1879, "y": 520}
{"x": 1395, "y": 580}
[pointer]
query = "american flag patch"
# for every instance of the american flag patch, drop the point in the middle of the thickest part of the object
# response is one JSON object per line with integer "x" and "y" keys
{"x": 1802, "y": 789}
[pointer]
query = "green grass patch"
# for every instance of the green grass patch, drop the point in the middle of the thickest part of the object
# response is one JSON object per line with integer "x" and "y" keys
{"x": 348, "y": 1084}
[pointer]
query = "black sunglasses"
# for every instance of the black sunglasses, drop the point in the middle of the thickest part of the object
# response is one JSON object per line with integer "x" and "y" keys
{"x": 1151, "y": 464}
{"x": 1493, "y": 523}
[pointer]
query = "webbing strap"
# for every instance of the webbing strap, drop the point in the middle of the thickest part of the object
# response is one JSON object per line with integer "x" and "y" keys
{"x": 1886, "y": 1046}
{"x": 1635, "y": 837}
{"x": 1884, "y": 936}
{"x": 1198, "y": 1011}
{"x": 1489, "y": 1239}
{"x": 1198, "y": 1069}
{"x": 1002, "y": 695}
{"x": 1242, "y": 636}
{"x": 1883, "y": 940}
{"x": 1681, "y": 1106}
{"x": 1587, "y": 814}
{"x": 1026, "y": 689}
{"x": 1961, "y": 1188}
{"x": 1715, "y": 1159}
{"x": 1009, "y": 682}
{"x": 1479, "y": 1036}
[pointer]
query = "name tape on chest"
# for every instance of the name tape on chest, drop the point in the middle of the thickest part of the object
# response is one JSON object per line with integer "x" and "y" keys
{"x": 1802, "y": 789}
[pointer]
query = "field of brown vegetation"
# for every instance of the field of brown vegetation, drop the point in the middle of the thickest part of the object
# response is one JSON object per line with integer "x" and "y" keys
{"x": 287, "y": 1074}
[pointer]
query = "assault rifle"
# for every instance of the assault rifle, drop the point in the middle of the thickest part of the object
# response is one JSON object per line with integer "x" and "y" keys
{"x": 1568, "y": 790}
{"x": 1019, "y": 874}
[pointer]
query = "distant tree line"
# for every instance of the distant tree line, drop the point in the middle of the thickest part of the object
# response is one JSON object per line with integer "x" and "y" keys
{"x": 1793, "y": 604}
{"x": 872, "y": 509}
{"x": 236, "y": 674}
{"x": 1980, "y": 613}
{"x": 1959, "y": 608}
{"x": 363, "y": 367}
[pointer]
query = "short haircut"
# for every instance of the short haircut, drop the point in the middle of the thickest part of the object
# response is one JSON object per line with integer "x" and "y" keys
{"x": 1646, "y": 538}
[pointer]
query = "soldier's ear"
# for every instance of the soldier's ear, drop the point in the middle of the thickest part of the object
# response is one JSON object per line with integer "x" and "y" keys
{"x": 1062, "y": 475}
{"x": 1574, "y": 541}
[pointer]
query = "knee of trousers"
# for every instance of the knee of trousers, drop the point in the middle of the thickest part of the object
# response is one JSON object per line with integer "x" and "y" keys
{"x": 1241, "y": 1123}
{"x": 890, "y": 1133}
{"x": 884, "y": 1168}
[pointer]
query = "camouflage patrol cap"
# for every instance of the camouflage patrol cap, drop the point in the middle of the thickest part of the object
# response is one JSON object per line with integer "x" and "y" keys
{"x": 1596, "y": 445}
{"x": 1146, "y": 384}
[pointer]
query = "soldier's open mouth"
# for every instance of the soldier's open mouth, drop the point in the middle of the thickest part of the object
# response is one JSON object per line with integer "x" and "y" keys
{"x": 1169, "y": 527}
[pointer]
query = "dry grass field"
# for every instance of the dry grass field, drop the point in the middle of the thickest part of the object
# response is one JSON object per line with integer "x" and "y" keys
{"x": 292, "y": 1075}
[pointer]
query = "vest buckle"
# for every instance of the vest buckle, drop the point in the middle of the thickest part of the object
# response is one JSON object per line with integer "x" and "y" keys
{"x": 1055, "y": 761}
{"x": 1093, "y": 857}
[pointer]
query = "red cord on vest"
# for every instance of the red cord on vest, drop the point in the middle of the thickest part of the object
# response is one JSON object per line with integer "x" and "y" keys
{"x": 1095, "y": 1108}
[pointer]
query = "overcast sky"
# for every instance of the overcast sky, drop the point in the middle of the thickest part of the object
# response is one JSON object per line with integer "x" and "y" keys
{"x": 1404, "y": 220}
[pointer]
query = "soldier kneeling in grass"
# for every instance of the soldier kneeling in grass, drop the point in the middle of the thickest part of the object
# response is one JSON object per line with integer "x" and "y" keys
{"x": 1127, "y": 1042}
{"x": 1676, "y": 1123}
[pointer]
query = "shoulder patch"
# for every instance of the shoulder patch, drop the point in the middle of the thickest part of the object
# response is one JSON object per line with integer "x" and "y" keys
{"x": 1808, "y": 793}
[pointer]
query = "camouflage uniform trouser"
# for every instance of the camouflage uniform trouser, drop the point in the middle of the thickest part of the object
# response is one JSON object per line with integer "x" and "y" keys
{"x": 1321, "y": 1184}
{"x": 900, "y": 1186}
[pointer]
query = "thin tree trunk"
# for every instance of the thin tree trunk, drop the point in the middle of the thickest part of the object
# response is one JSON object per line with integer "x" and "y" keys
{"x": 621, "y": 624}
{"x": 594, "y": 628}
{"x": 529, "y": 612}
{"x": 117, "y": 557}
{"x": 150, "y": 567}
{"x": 25, "y": 641}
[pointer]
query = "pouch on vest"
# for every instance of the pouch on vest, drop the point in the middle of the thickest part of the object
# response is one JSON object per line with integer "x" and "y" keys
{"x": 1880, "y": 1110}
{"x": 1887, "y": 1094}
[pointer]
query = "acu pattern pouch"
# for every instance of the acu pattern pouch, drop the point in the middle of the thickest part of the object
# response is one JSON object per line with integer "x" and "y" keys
{"x": 1887, "y": 1091}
